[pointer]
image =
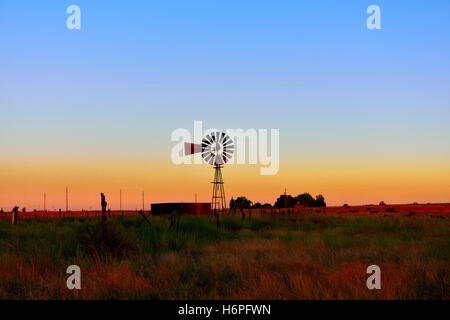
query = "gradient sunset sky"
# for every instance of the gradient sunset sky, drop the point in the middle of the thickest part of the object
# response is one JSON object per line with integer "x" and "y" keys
{"x": 364, "y": 115}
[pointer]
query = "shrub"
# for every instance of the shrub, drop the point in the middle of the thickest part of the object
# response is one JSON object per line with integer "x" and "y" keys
{"x": 116, "y": 243}
{"x": 231, "y": 224}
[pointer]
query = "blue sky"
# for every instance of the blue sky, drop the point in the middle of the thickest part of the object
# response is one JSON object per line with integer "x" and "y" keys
{"x": 137, "y": 70}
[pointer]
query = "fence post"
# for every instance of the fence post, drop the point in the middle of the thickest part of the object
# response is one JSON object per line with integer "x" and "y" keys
{"x": 14, "y": 215}
{"x": 173, "y": 218}
{"x": 104, "y": 204}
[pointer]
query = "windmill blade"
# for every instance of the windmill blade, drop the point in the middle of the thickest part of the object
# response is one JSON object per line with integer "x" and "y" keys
{"x": 229, "y": 146}
{"x": 192, "y": 148}
{"x": 207, "y": 139}
{"x": 228, "y": 142}
{"x": 226, "y": 154}
{"x": 229, "y": 149}
{"x": 208, "y": 157}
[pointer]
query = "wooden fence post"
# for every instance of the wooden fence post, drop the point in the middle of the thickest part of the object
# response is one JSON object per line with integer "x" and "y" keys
{"x": 14, "y": 215}
{"x": 104, "y": 204}
{"x": 173, "y": 218}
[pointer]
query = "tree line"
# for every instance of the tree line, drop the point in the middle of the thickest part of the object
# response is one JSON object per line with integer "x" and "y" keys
{"x": 283, "y": 201}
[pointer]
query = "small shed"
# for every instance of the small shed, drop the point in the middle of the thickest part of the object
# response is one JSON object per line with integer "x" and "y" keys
{"x": 195, "y": 208}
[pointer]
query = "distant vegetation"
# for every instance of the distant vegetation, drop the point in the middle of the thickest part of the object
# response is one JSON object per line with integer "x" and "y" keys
{"x": 304, "y": 199}
{"x": 283, "y": 201}
{"x": 240, "y": 203}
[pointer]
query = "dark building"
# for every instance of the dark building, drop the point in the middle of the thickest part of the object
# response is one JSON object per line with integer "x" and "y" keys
{"x": 197, "y": 209}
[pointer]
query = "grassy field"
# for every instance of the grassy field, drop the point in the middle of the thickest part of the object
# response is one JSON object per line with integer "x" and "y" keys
{"x": 297, "y": 256}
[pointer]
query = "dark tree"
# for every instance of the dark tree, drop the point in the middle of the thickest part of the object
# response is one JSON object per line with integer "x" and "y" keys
{"x": 257, "y": 206}
{"x": 318, "y": 202}
{"x": 232, "y": 204}
{"x": 304, "y": 199}
{"x": 285, "y": 201}
{"x": 240, "y": 203}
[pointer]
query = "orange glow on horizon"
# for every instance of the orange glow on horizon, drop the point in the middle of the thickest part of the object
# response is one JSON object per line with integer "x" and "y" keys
{"x": 358, "y": 182}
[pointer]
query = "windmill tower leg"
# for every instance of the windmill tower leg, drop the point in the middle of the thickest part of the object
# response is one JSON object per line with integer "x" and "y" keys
{"x": 218, "y": 197}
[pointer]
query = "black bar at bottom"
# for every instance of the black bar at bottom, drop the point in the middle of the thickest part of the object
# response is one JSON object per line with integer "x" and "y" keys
{"x": 236, "y": 309}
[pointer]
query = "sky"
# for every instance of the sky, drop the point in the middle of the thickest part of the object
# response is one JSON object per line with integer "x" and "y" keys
{"x": 363, "y": 114}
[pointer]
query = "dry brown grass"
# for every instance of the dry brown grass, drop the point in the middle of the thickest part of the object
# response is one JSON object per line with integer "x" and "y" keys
{"x": 267, "y": 269}
{"x": 278, "y": 263}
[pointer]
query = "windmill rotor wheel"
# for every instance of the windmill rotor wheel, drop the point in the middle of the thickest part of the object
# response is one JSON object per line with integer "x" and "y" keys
{"x": 217, "y": 148}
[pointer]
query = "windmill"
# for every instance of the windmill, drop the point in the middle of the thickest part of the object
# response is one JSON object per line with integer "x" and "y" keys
{"x": 217, "y": 149}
